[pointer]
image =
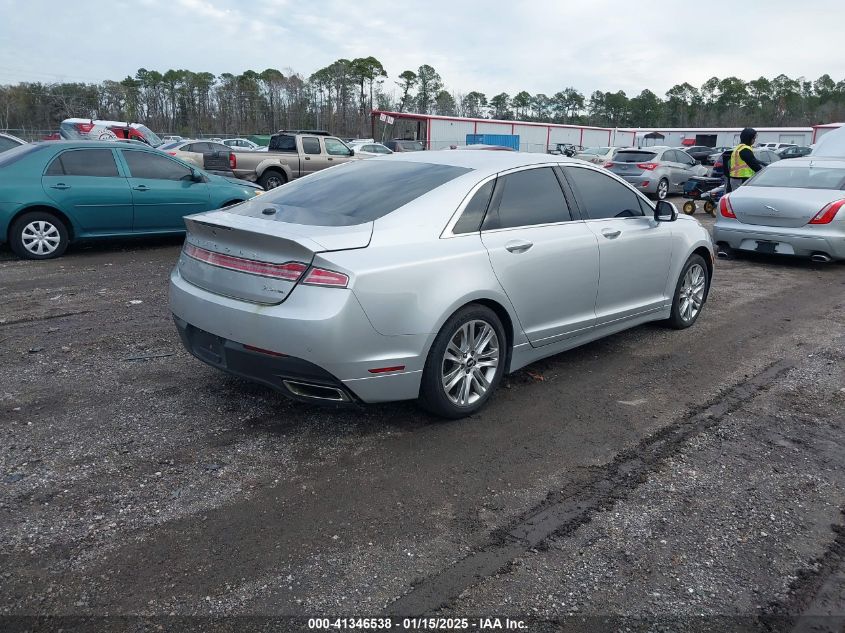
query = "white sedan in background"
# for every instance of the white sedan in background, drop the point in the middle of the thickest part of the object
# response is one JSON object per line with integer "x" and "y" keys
{"x": 369, "y": 149}
{"x": 241, "y": 144}
{"x": 597, "y": 155}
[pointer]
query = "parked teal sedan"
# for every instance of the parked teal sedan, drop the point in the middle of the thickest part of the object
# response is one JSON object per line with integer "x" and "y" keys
{"x": 55, "y": 193}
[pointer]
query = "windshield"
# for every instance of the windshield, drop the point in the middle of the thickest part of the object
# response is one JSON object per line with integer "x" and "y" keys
{"x": 800, "y": 177}
{"x": 596, "y": 150}
{"x": 152, "y": 137}
{"x": 13, "y": 155}
{"x": 170, "y": 145}
{"x": 633, "y": 157}
{"x": 356, "y": 192}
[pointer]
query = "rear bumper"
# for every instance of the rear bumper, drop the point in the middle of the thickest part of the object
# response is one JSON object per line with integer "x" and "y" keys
{"x": 647, "y": 183}
{"x": 323, "y": 334}
{"x": 800, "y": 241}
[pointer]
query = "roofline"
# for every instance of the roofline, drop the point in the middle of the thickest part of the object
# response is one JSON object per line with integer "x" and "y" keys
{"x": 716, "y": 129}
{"x": 438, "y": 117}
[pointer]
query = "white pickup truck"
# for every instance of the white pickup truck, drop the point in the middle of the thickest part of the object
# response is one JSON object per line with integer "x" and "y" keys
{"x": 291, "y": 154}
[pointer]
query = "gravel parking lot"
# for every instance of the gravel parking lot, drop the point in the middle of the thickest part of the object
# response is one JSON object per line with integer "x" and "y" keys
{"x": 689, "y": 480}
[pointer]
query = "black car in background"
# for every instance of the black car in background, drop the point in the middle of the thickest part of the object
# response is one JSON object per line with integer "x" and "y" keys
{"x": 699, "y": 152}
{"x": 796, "y": 151}
{"x": 765, "y": 156}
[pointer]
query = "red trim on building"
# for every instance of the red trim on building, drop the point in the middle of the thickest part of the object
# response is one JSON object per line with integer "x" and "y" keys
{"x": 411, "y": 115}
{"x": 475, "y": 127}
{"x": 548, "y": 137}
{"x": 428, "y": 134}
{"x": 581, "y": 141}
{"x": 608, "y": 137}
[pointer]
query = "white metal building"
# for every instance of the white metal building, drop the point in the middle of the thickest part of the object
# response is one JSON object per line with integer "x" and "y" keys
{"x": 441, "y": 132}
{"x": 721, "y": 136}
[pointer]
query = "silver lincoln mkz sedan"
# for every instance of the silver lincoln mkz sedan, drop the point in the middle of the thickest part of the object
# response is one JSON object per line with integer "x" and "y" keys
{"x": 430, "y": 275}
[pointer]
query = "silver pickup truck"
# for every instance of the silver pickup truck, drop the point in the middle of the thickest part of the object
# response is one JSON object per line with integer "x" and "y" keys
{"x": 291, "y": 154}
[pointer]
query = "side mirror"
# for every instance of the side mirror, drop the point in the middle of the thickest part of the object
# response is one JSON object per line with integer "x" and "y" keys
{"x": 196, "y": 176}
{"x": 352, "y": 152}
{"x": 665, "y": 212}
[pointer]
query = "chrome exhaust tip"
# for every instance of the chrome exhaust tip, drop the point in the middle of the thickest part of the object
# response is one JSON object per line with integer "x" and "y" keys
{"x": 314, "y": 391}
{"x": 821, "y": 258}
{"x": 722, "y": 255}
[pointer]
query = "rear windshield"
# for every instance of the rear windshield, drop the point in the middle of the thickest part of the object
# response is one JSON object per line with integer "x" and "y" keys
{"x": 633, "y": 157}
{"x": 411, "y": 146}
{"x": 13, "y": 155}
{"x": 152, "y": 138}
{"x": 801, "y": 178}
{"x": 357, "y": 192}
{"x": 596, "y": 150}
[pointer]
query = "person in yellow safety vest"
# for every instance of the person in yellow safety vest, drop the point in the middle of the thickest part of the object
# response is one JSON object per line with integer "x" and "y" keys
{"x": 742, "y": 164}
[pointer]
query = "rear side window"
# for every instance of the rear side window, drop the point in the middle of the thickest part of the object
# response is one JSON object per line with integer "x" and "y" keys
{"x": 525, "y": 198}
{"x": 310, "y": 145}
{"x": 602, "y": 196}
{"x": 15, "y": 154}
{"x": 84, "y": 162}
{"x": 151, "y": 166}
{"x": 7, "y": 143}
{"x": 470, "y": 220}
{"x": 633, "y": 157}
{"x": 282, "y": 143}
{"x": 354, "y": 193}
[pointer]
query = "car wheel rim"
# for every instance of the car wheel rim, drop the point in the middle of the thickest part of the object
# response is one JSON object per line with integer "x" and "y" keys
{"x": 273, "y": 182}
{"x": 41, "y": 237}
{"x": 692, "y": 292}
{"x": 662, "y": 190}
{"x": 470, "y": 363}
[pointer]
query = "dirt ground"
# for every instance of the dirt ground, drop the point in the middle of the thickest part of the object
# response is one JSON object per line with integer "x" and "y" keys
{"x": 654, "y": 480}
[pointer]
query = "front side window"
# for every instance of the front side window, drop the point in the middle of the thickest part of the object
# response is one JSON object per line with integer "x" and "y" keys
{"x": 602, "y": 196}
{"x": 154, "y": 167}
{"x": 84, "y": 162}
{"x": 310, "y": 145}
{"x": 525, "y": 198}
{"x": 335, "y": 147}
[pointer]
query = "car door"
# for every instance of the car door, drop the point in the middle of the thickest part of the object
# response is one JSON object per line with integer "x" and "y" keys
{"x": 86, "y": 184}
{"x": 163, "y": 191}
{"x": 313, "y": 156}
{"x": 634, "y": 249}
{"x": 546, "y": 259}
{"x": 336, "y": 150}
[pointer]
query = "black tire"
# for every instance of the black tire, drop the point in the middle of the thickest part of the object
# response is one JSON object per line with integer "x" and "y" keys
{"x": 679, "y": 318}
{"x": 433, "y": 395}
{"x": 271, "y": 179}
{"x": 231, "y": 203}
{"x": 662, "y": 189}
{"x": 54, "y": 230}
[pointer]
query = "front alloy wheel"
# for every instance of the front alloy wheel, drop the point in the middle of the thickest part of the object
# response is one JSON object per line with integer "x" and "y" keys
{"x": 465, "y": 363}
{"x": 690, "y": 293}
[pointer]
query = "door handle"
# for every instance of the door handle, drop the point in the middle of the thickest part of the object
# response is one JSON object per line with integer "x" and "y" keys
{"x": 141, "y": 188}
{"x": 60, "y": 186}
{"x": 611, "y": 234}
{"x": 518, "y": 246}
{"x": 307, "y": 158}
{"x": 330, "y": 158}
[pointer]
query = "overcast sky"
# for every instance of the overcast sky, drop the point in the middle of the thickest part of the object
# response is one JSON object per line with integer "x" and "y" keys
{"x": 493, "y": 46}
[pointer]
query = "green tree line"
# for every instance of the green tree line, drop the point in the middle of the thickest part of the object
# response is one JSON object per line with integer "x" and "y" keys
{"x": 341, "y": 96}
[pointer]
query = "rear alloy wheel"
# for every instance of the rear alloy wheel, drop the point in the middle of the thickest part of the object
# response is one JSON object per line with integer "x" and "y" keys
{"x": 465, "y": 363}
{"x": 38, "y": 235}
{"x": 271, "y": 179}
{"x": 662, "y": 189}
{"x": 690, "y": 293}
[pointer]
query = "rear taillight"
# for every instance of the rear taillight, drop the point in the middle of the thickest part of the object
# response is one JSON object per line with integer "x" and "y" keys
{"x": 648, "y": 166}
{"x": 323, "y": 277}
{"x": 725, "y": 208}
{"x": 233, "y": 162}
{"x": 828, "y": 212}
{"x": 609, "y": 164}
{"x": 289, "y": 271}
{"x": 172, "y": 153}
{"x": 84, "y": 127}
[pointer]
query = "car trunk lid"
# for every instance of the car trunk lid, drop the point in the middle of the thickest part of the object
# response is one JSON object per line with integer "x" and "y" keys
{"x": 628, "y": 163}
{"x": 255, "y": 259}
{"x": 780, "y": 206}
